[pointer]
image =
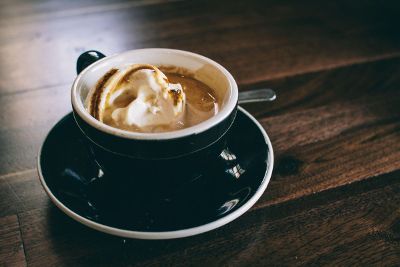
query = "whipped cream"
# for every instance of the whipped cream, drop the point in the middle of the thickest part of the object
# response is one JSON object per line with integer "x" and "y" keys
{"x": 138, "y": 95}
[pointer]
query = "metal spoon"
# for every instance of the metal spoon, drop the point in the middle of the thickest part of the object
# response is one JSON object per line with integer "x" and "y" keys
{"x": 258, "y": 95}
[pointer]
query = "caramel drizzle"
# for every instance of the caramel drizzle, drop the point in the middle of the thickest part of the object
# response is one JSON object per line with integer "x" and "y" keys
{"x": 176, "y": 95}
{"x": 96, "y": 97}
{"x": 130, "y": 72}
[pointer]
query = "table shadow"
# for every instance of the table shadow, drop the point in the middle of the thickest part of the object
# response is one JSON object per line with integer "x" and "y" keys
{"x": 75, "y": 244}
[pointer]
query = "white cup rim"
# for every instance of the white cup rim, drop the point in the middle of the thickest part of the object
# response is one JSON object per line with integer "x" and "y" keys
{"x": 226, "y": 110}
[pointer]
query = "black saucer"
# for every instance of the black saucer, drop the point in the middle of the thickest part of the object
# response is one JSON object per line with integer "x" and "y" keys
{"x": 83, "y": 191}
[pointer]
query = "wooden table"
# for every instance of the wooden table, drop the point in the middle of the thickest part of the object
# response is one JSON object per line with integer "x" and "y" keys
{"x": 334, "y": 197}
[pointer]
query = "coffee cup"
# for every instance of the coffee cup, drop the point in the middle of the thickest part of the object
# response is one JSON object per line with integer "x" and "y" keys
{"x": 155, "y": 154}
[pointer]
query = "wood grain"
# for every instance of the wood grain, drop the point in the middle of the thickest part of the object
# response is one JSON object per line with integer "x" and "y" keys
{"x": 357, "y": 153}
{"x": 11, "y": 247}
{"x": 33, "y": 114}
{"x": 358, "y": 82}
{"x": 287, "y": 37}
{"x": 335, "y": 126}
{"x": 20, "y": 192}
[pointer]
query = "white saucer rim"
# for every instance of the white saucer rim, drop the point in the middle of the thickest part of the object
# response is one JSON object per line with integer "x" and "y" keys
{"x": 168, "y": 234}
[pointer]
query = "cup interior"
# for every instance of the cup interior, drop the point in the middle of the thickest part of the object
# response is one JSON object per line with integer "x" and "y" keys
{"x": 204, "y": 70}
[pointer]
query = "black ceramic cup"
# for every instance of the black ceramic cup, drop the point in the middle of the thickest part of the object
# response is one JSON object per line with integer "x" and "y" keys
{"x": 167, "y": 158}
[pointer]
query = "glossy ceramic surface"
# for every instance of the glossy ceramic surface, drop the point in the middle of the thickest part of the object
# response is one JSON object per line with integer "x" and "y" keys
{"x": 225, "y": 188}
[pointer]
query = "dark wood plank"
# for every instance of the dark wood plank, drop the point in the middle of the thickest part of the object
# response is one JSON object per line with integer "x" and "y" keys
{"x": 25, "y": 119}
{"x": 255, "y": 40}
{"x": 17, "y": 11}
{"x": 355, "y": 224}
{"x": 334, "y": 195}
{"x": 8, "y": 196}
{"x": 21, "y": 192}
{"x": 341, "y": 85}
{"x": 11, "y": 247}
{"x": 356, "y": 153}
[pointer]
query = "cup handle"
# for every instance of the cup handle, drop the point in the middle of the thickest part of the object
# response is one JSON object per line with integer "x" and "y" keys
{"x": 86, "y": 59}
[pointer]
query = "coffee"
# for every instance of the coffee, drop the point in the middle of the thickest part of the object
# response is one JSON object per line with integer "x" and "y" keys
{"x": 144, "y": 98}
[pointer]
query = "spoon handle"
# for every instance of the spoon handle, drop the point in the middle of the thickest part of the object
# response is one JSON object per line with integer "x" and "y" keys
{"x": 258, "y": 95}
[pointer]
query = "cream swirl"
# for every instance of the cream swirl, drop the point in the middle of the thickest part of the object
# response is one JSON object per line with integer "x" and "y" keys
{"x": 138, "y": 95}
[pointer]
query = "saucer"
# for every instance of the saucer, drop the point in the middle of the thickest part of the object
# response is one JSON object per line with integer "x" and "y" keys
{"x": 82, "y": 190}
